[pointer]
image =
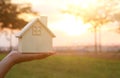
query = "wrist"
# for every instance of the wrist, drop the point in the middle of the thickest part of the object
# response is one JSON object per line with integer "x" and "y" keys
{"x": 5, "y": 65}
{"x": 8, "y": 59}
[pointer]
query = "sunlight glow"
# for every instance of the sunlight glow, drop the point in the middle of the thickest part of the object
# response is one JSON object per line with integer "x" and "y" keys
{"x": 72, "y": 26}
{"x": 26, "y": 17}
{"x": 75, "y": 26}
{"x": 77, "y": 30}
{"x": 83, "y": 3}
{"x": 68, "y": 29}
{"x": 69, "y": 24}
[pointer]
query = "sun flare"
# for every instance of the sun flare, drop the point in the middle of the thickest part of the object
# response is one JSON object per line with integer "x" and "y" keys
{"x": 75, "y": 26}
{"x": 69, "y": 24}
{"x": 72, "y": 26}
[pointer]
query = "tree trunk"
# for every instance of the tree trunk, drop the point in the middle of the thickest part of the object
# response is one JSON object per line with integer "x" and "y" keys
{"x": 100, "y": 47}
{"x": 95, "y": 39}
{"x": 10, "y": 40}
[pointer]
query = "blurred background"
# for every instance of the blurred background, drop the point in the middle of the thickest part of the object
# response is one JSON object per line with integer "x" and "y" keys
{"x": 82, "y": 26}
{"x": 87, "y": 42}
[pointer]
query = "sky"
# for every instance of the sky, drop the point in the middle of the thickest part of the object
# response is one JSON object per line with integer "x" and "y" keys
{"x": 68, "y": 30}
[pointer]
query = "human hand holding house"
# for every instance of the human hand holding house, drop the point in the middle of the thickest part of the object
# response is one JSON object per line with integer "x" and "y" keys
{"x": 35, "y": 42}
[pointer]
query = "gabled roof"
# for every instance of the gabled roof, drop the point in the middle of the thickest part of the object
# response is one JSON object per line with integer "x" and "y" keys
{"x": 20, "y": 34}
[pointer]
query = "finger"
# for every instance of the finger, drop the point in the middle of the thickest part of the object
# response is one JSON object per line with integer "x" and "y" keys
{"x": 22, "y": 57}
{"x": 38, "y": 56}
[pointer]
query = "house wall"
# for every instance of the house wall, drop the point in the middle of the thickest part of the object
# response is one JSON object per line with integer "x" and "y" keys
{"x": 35, "y": 43}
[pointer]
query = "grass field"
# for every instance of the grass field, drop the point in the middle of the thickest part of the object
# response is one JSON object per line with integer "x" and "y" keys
{"x": 66, "y": 66}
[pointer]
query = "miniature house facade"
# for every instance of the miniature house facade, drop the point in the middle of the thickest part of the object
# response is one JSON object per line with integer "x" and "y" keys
{"x": 35, "y": 37}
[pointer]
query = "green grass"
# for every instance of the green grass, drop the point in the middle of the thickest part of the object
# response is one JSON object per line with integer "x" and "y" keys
{"x": 67, "y": 67}
{"x": 2, "y": 56}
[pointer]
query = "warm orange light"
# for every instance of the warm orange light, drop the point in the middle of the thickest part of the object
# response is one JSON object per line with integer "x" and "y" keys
{"x": 26, "y": 17}
{"x": 72, "y": 26}
{"x": 75, "y": 27}
{"x": 83, "y": 3}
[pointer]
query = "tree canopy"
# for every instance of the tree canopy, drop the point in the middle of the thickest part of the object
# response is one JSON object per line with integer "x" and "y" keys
{"x": 9, "y": 14}
{"x": 97, "y": 14}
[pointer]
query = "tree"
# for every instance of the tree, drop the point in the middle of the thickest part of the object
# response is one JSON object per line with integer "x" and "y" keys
{"x": 9, "y": 17}
{"x": 102, "y": 12}
{"x": 9, "y": 14}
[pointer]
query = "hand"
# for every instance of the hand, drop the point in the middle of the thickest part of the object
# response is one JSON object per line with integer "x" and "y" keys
{"x": 18, "y": 57}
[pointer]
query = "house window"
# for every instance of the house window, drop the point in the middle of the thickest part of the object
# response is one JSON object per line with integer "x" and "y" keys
{"x": 36, "y": 30}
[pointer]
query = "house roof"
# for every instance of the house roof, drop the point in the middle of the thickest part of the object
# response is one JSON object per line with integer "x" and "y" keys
{"x": 20, "y": 34}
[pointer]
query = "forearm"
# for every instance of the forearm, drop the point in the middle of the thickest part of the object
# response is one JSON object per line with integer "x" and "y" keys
{"x": 5, "y": 65}
{"x": 16, "y": 57}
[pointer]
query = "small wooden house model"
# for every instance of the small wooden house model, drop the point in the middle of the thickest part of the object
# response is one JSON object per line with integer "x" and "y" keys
{"x": 35, "y": 37}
